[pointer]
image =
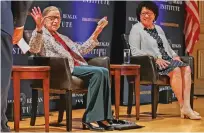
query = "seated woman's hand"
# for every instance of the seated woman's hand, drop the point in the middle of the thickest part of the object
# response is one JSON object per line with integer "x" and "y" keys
{"x": 162, "y": 63}
{"x": 101, "y": 24}
{"x": 38, "y": 18}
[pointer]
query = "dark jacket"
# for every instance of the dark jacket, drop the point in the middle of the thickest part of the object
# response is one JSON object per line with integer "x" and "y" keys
{"x": 13, "y": 14}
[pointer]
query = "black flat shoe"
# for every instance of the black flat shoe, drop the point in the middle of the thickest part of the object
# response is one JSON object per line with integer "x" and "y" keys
{"x": 106, "y": 127}
{"x": 92, "y": 128}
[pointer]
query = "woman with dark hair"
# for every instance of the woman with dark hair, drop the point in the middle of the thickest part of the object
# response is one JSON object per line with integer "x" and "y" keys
{"x": 146, "y": 38}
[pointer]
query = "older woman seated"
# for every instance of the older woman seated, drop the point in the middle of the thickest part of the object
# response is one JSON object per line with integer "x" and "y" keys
{"x": 48, "y": 42}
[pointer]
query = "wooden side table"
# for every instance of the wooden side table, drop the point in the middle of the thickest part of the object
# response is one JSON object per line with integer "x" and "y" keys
{"x": 126, "y": 70}
{"x": 30, "y": 72}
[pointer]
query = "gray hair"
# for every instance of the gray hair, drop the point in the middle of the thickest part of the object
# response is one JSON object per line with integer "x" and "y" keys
{"x": 49, "y": 9}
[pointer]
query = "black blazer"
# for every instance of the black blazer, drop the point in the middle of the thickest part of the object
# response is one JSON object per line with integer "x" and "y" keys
{"x": 13, "y": 14}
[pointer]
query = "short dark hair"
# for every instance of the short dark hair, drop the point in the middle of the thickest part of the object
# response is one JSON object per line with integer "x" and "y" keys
{"x": 149, "y": 5}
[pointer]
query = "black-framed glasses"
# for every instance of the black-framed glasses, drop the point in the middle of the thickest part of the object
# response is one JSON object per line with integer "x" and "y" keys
{"x": 147, "y": 13}
{"x": 52, "y": 18}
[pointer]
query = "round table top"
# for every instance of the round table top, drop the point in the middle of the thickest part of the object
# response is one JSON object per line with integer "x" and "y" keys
{"x": 30, "y": 68}
{"x": 129, "y": 66}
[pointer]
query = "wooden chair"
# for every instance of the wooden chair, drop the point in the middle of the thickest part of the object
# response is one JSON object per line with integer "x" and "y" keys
{"x": 152, "y": 77}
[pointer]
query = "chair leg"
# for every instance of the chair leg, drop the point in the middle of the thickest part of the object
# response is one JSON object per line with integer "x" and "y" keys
{"x": 155, "y": 99}
{"x": 61, "y": 107}
{"x": 130, "y": 98}
{"x": 68, "y": 97}
{"x": 192, "y": 95}
{"x": 34, "y": 106}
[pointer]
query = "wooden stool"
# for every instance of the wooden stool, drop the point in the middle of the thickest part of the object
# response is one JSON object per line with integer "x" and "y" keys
{"x": 30, "y": 72}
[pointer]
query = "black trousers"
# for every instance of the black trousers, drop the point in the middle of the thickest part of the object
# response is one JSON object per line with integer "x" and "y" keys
{"x": 6, "y": 68}
{"x": 99, "y": 92}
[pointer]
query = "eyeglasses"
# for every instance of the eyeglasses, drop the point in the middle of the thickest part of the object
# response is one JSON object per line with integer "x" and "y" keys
{"x": 146, "y": 13}
{"x": 52, "y": 18}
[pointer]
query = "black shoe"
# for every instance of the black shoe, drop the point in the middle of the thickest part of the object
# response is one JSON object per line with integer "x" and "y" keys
{"x": 106, "y": 127}
{"x": 92, "y": 128}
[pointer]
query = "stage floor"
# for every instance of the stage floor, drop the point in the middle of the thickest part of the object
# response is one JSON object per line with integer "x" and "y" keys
{"x": 168, "y": 120}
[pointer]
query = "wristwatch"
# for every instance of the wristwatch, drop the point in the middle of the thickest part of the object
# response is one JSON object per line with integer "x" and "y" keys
{"x": 158, "y": 57}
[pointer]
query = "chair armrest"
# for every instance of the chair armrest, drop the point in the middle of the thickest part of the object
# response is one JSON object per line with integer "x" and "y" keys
{"x": 99, "y": 61}
{"x": 60, "y": 75}
{"x": 148, "y": 71}
{"x": 189, "y": 60}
